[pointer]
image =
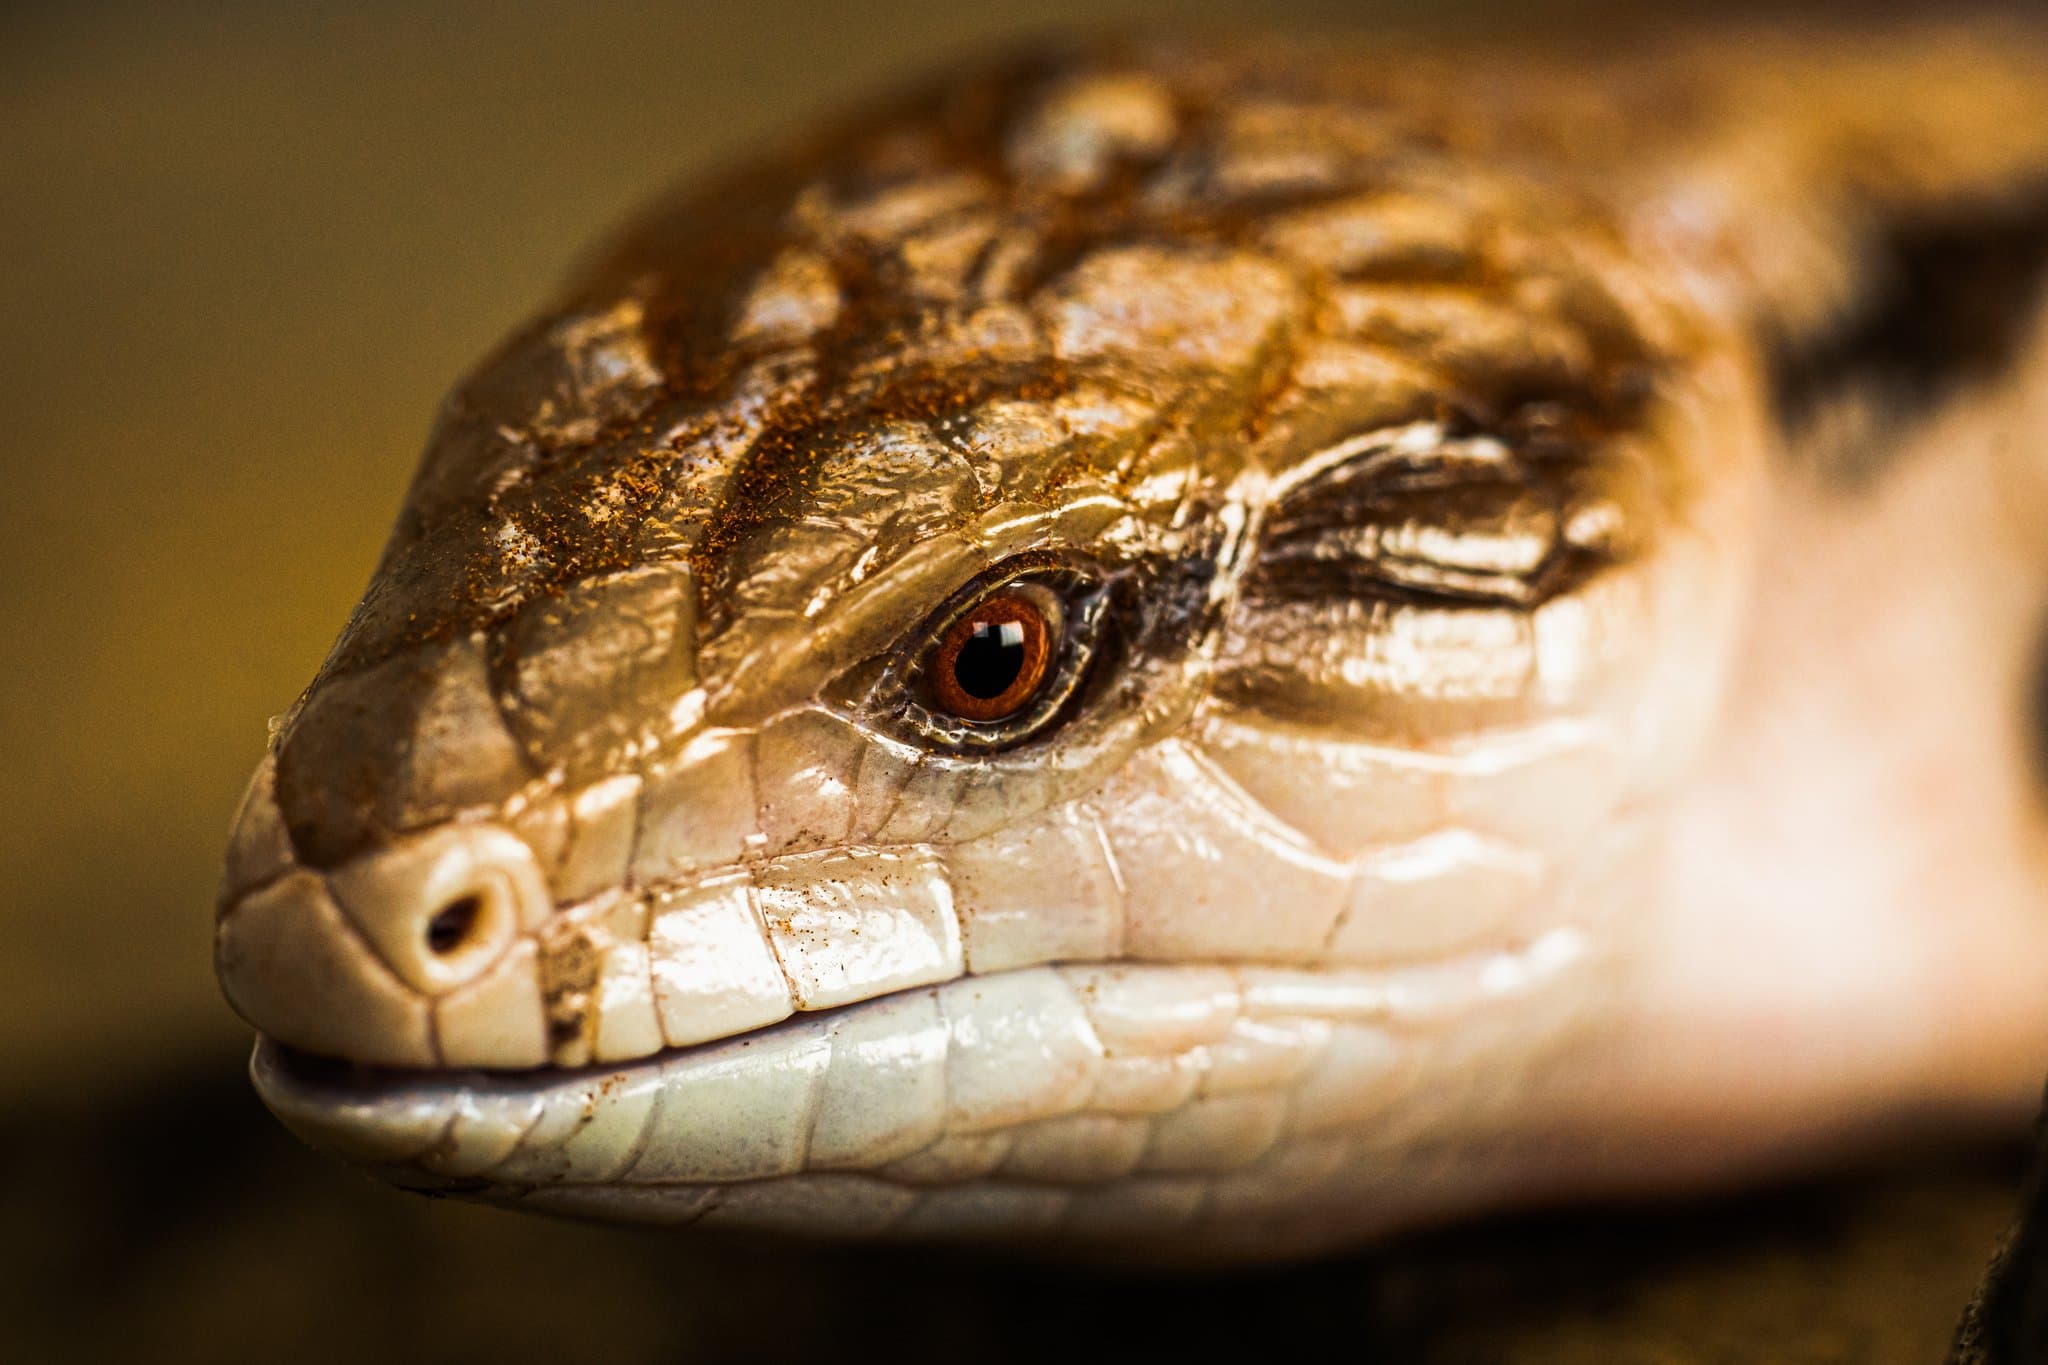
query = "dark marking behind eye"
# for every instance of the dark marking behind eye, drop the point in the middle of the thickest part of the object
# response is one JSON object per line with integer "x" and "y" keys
{"x": 1950, "y": 307}
{"x": 2037, "y": 709}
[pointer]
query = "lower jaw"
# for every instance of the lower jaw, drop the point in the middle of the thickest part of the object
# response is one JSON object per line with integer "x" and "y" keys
{"x": 1084, "y": 1102}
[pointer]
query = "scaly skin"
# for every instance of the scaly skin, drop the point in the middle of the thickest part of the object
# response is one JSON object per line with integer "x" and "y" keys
{"x": 1413, "y": 428}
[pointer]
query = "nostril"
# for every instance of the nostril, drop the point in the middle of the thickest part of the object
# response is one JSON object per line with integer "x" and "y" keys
{"x": 454, "y": 924}
{"x": 442, "y": 907}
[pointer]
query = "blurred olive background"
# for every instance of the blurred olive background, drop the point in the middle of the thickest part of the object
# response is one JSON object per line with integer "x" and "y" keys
{"x": 243, "y": 250}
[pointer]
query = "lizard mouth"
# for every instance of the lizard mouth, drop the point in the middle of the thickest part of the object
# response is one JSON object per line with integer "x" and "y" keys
{"x": 1066, "y": 1077}
{"x": 428, "y": 1128}
{"x": 452, "y": 1129}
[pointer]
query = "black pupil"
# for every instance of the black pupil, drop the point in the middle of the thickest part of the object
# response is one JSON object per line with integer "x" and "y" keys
{"x": 990, "y": 660}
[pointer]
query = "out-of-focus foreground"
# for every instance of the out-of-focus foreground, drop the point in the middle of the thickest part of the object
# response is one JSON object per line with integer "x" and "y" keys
{"x": 241, "y": 256}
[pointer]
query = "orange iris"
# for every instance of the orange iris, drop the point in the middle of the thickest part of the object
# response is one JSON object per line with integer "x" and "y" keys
{"x": 992, "y": 661}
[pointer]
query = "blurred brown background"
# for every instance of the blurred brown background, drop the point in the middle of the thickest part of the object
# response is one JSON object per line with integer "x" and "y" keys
{"x": 243, "y": 250}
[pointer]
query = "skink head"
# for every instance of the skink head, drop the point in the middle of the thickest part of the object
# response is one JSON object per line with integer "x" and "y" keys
{"x": 1040, "y": 537}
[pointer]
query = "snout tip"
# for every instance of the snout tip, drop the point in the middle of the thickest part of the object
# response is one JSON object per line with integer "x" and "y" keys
{"x": 419, "y": 953}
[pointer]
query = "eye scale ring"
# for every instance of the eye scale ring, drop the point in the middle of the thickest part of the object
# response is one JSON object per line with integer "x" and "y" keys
{"x": 998, "y": 665}
{"x": 991, "y": 662}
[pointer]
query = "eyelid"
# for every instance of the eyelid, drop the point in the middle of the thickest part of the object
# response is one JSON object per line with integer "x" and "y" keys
{"x": 1468, "y": 522}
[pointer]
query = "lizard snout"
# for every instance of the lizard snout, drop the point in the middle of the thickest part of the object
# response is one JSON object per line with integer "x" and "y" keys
{"x": 419, "y": 953}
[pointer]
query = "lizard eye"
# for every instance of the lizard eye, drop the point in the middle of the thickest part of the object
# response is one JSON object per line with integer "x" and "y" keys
{"x": 992, "y": 661}
{"x": 1000, "y": 663}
